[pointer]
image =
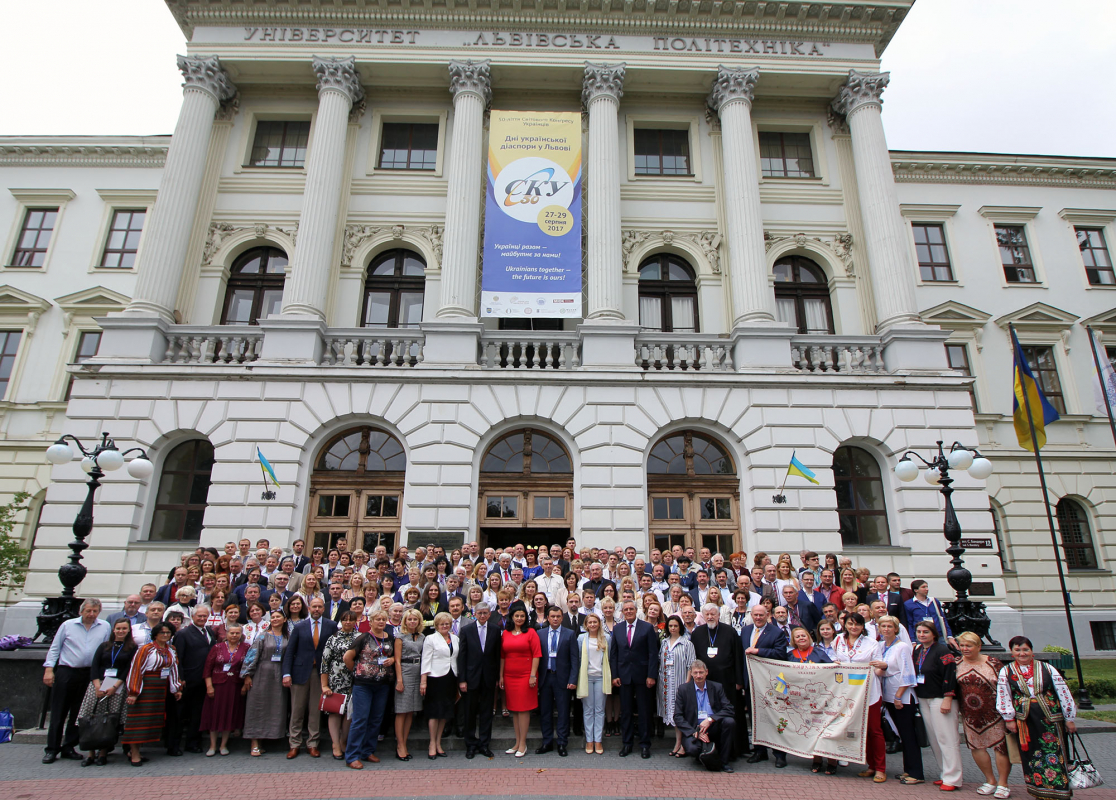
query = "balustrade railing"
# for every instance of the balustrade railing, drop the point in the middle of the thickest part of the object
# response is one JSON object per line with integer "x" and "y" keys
{"x": 529, "y": 350}
{"x": 372, "y": 347}
{"x": 683, "y": 351}
{"x": 223, "y": 344}
{"x": 856, "y": 355}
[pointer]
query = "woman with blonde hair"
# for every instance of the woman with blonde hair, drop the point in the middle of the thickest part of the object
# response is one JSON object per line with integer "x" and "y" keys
{"x": 847, "y": 584}
{"x": 724, "y": 613}
{"x": 311, "y": 588}
{"x": 608, "y": 614}
{"x": 984, "y": 728}
{"x": 408, "y": 699}
{"x": 355, "y": 587}
{"x": 438, "y": 684}
{"x": 594, "y": 681}
{"x": 480, "y": 575}
{"x": 528, "y": 591}
{"x": 784, "y": 576}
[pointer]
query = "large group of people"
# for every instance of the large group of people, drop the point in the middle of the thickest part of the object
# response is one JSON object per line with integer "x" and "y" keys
{"x": 261, "y": 643}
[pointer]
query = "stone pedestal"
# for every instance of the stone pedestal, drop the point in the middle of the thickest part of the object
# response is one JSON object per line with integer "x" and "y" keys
{"x": 293, "y": 339}
{"x": 451, "y": 343}
{"x": 914, "y": 347}
{"x": 762, "y": 347}
{"x": 128, "y": 338}
{"x": 608, "y": 344}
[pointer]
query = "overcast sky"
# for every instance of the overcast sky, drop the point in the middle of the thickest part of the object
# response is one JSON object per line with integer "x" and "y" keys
{"x": 1008, "y": 76}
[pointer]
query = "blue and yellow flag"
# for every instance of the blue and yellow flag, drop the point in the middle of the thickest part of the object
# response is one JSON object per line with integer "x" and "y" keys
{"x": 1042, "y": 413}
{"x": 798, "y": 468}
{"x": 265, "y": 465}
{"x": 781, "y": 685}
{"x": 857, "y": 678}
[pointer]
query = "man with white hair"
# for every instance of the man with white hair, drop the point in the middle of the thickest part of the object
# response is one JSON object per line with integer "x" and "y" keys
{"x": 719, "y": 647}
{"x": 66, "y": 672}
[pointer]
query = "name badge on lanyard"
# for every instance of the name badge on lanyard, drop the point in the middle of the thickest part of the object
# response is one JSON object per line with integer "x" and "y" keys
{"x": 921, "y": 679}
{"x": 110, "y": 672}
{"x": 711, "y": 652}
{"x": 669, "y": 661}
{"x": 226, "y": 667}
{"x": 164, "y": 672}
{"x": 276, "y": 657}
{"x": 702, "y": 716}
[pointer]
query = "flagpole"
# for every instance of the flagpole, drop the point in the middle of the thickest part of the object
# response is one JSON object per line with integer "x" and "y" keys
{"x": 1083, "y": 698}
{"x": 1100, "y": 378}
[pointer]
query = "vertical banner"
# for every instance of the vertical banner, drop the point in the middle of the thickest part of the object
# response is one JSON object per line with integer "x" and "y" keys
{"x": 810, "y": 709}
{"x": 532, "y": 223}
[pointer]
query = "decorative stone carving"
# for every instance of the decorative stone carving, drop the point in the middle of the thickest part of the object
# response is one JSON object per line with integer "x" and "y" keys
{"x": 219, "y": 232}
{"x": 228, "y": 109}
{"x": 840, "y": 245}
{"x": 356, "y": 235}
{"x": 471, "y": 76}
{"x": 732, "y": 83}
{"x": 837, "y": 122}
{"x": 339, "y": 74}
{"x": 603, "y": 79}
{"x": 357, "y": 111}
{"x": 630, "y": 240}
{"x": 708, "y": 242}
{"x": 860, "y": 89}
{"x": 207, "y": 74}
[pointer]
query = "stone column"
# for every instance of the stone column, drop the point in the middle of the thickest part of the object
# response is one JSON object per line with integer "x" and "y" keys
{"x": 167, "y": 237}
{"x": 601, "y": 92}
{"x": 471, "y": 89}
{"x": 339, "y": 90}
{"x": 752, "y": 299}
{"x": 886, "y": 239}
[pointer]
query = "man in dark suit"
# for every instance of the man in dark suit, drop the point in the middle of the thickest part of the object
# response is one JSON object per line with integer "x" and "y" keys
{"x": 893, "y": 600}
{"x": 895, "y": 582}
{"x": 633, "y": 657}
{"x": 301, "y": 561}
{"x": 700, "y": 590}
{"x": 334, "y": 605}
{"x": 558, "y": 672}
{"x": 302, "y": 662}
{"x": 810, "y": 594}
{"x": 798, "y": 613}
{"x": 597, "y": 582}
{"x": 764, "y": 639}
{"x": 166, "y": 593}
{"x": 251, "y": 595}
{"x": 573, "y": 619}
{"x": 478, "y": 666}
{"x": 704, "y": 714}
{"x": 192, "y": 643}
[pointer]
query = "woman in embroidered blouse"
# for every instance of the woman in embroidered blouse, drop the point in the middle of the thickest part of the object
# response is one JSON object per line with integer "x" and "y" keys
{"x": 258, "y": 622}
{"x": 936, "y": 685}
{"x": 223, "y": 709}
{"x": 984, "y": 729}
{"x": 1035, "y": 702}
{"x": 896, "y": 669}
{"x": 154, "y": 673}
{"x": 337, "y": 679}
{"x": 853, "y": 647}
{"x": 676, "y": 654}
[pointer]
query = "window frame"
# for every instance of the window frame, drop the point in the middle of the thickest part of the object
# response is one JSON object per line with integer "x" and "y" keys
{"x": 76, "y": 358}
{"x": 263, "y": 282}
{"x": 684, "y": 136}
{"x": 105, "y": 250}
{"x": 1015, "y": 217}
{"x": 1060, "y": 395}
{"x": 883, "y": 513}
{"x": 396, "y": 285}
{"x": 782, "y": 134}
{"x": 967, "y": 371}
{"x": 666, "y": 290}
{"x": 410, "y": 147}
{"x": 799, "y": 292}
{"x": 687, "y": 122}
{"x": 187, "y": 507}
{"x": 25, "y": 228}
{"x": 1110, "y": 270}
{"x": 933, "y": 266}
{"x": 29, "y": 200}
{"x": 819, "y": 139}
{"x": 121, "y": 200}
{"x": 403, "y": 178}
{"x": 1089, "y": 546}
{"x": 252, "y": 115}
{"x": 14, "y": 372}
{"x": 285, "y": 122}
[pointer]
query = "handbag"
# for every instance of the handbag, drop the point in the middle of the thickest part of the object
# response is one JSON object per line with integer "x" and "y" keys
{"x": 336, "y": 703}
{"x": 920, "y": 728}
{"x": 7, "y": 726}
{"x": 1015, "y": 755}
{"x": 98, "y": 730}
{"x": 1082, "y": 773}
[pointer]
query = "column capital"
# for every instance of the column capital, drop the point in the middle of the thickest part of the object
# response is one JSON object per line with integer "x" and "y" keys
{"x": 603, "y": 79}
{"x": 732, "y": 83}
{"x": 862, "y": 88}
{"x": 339, "y": 74}
{"x": 471, "y": 76}
{"x": 207, "y": 74}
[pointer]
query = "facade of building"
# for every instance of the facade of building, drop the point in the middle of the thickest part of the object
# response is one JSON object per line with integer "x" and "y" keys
{"x": 297, "y": 270}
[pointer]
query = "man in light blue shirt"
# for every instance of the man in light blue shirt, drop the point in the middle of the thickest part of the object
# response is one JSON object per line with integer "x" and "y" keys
{"x": 67, "y": 673}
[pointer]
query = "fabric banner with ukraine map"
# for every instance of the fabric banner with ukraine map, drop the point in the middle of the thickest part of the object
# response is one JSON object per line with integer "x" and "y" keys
{"x": 810, "y": 709}
{"x": 532, "y": 219}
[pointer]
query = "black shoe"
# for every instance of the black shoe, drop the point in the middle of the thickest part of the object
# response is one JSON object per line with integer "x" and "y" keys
{"x": 174, "y": 753}
{"x": 546, "y": 748}
{"x": 892, "y": 747}
{"x": 757, "y": 756}
{"x": 625, "y": 750}
{"x": 645, "y": 752}
{"x": 470, "y": 754}
{"x": 100, "y": 761}
{"x": 727, "y": 768}
{"x": 486, "y": 753}
{"x": 780, "y": 762}
{"x": 87, "y": 761}
{"x": 50, "y": 758}
{"x": 71, "y": 755}
{"x": 562, "y": 751}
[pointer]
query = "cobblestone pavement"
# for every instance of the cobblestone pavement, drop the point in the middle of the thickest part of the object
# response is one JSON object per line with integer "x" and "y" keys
{"x": 273, "y": 777}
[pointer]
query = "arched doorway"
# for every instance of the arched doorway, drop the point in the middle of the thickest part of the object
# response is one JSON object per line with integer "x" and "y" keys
{"x": 525, "y": 491}
{"x": 356, "y": 490}
{"x": 693, "y": 494}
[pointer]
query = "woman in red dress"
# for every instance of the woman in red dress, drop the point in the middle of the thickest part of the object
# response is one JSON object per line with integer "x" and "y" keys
{"x": 519, "y": 666}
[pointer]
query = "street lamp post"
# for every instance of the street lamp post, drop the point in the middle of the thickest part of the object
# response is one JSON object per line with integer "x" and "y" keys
{"x": 105, "y": 456}
{"x": 963, "y": 613}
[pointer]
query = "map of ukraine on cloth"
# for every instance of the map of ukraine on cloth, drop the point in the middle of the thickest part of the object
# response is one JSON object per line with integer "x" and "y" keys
{"x": 810, "y": 709}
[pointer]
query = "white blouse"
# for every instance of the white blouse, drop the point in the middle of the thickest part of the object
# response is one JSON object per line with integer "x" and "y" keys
{"x": 1003, "y": 694}
{"x": 900, "y": 671}
{"x": 864, "y": 651}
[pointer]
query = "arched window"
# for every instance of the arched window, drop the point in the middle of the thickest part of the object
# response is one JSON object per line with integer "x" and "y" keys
{"x": 802, "y": 295}
{"x": 1077, "y": 539}
{"x": 255, "y": 289}
{"x": 393, "y": 292}
{"x": 183, "y": 489}
{"x": 860, "y": 497}
{"x": 693, "y": 494}
{"x": 667, "y": 295}
{"x": 526, "y": 490}
{"x": 356, "y": 490}
{"x": 527, "y": 452}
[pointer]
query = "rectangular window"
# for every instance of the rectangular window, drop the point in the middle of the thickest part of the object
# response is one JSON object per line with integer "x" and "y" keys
{"x": 786, "y": 155}
{"x": 333, "y": 505}
{"x": 280, "y": 144}
{"x": 1094, "y": 252}
{"x": 933, "y": 258}
{"x": 1015, "y": 254}
{"x": 380, "y": 505}
{"x": 723, "y": 543}
{"x": 34, "y": 237}
{"x": 502, "y": 507}
{"x": 667, "y": 508}
{"x": 1043, "y": 367}
{"x": 1104, "y": 635}
{"x": 409, "y": 145}
{"x": 716, "y": 508}
{"x": 123, "y": 238}
{"x": 9, "y": 345}
{"x": 87, "y": 347}
{"x": 550, "y": 507}
{"x": 662, "y": 152}
{"x": 665, "y": 541}
{"x": 958, "y": 357}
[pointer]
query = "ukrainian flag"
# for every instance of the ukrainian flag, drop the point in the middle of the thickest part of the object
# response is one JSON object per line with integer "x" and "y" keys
{"x": 1042, "y": 413}
{"x": 798, "y": 468}
{"x": 265, "y": 465}
{"x": 781, "y": 684}
{"x": 857, "y": 678}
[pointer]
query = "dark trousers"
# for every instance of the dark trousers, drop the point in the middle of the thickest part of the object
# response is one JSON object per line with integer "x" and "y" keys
{"x": 66, "y": 695}
{"x": 740, "y": 713}
{"x": 478, "y": 716}
{"x": 554, "y": 696}
{"x": 637, "y": 695}
{"x": 905, "y": 721}
{"x": 576, "y": 716}
{"x": 722, "y": 733}
{"x": 189, "y": 717}
{"x": 172, "y": 724}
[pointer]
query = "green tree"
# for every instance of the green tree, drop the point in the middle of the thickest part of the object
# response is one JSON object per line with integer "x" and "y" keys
{"x": 13, "y": 556}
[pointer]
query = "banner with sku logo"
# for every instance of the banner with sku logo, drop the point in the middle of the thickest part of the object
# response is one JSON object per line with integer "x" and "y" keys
{"x": 532, "y": 225}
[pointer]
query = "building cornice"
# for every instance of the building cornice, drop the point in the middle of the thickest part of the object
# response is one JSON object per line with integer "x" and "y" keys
{"x": 84, "y": 151}
{"x": 1027, "y": 170}
{"x": 873, "y": 21}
